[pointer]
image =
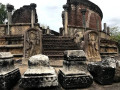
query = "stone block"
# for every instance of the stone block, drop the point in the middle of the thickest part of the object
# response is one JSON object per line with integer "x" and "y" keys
{"x": 39, "y": 74}
{"x": 74, "y": 80}
{"x": 78, "y": 55}
{"x": 102, "y": 74}
{"x": 9, "y": 75}
{"x": 74, "y": 73}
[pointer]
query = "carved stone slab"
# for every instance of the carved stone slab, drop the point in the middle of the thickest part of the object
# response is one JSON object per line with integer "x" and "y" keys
{"x": 32, "y": 42}
{"x": 91, "y": 45}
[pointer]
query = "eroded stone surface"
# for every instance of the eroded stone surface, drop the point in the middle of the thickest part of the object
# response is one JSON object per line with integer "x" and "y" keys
{"x": 39, "y": 74}
{"x": 9, "y": 75}
{"x": 74, "y": 73}
{"x": 103, "y": 72}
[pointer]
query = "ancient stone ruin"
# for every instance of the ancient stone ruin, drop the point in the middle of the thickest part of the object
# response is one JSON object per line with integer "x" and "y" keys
{"x": 39, "y": 73}
{"x": 32, "y": 42}
{"x": 74, "y": 73}
{"x": 9, "y": 74}
{"x": 85, "y": 43}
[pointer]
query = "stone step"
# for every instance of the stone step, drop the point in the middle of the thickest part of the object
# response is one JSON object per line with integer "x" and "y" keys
{"x": 56, "y": 57}
{"x": 12, "y": 46}
{"x": 56, "y": 63}
{"x": 60, "y": 48}
{"x": 53, "y": 52}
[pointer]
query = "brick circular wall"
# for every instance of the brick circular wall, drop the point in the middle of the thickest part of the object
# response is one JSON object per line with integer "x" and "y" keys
{"x": 93, "y": 15}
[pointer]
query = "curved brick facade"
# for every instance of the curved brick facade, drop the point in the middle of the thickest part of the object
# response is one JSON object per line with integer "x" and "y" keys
{"x": 93, "y": 14}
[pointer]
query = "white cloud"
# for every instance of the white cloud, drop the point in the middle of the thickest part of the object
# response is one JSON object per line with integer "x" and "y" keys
{"x": 49, "y": 11}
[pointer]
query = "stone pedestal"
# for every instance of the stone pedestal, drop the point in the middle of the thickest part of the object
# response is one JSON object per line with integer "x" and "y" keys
{"x": 74, "y": 73}
{"x": 39, "y": 74}
{"x": 9, "y": 75}
{"x": 103, "y": 72}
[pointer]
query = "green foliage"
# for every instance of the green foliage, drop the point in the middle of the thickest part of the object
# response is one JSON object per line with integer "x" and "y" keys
{"x": 115, "y": 35}
{"x": 3, "y": 13}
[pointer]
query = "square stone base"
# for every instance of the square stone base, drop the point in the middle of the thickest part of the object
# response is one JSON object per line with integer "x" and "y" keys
{"x": 34, "y": 78}
{"x": 9, "y": 79}
{"x": 74, "y": 80}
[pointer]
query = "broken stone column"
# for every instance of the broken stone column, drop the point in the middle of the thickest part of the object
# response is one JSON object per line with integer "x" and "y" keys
{"x": 108, "y": 30}
{"x": 39, "y": 73}
{"x": 9, "y": 75}
{"x": 48, "y": 31}
{"x": 9, "y": 9}
{"x": 103, "y": 72}
{"x": 65, "y": 20}
{"x": 33, "y": 6}
{"x": 105, "y": 28}
{"x": 74, "y": 73}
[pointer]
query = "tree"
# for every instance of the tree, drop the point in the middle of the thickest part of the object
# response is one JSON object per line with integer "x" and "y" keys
{"x": 115, "y": 35}
{"x": 3, "y": 13}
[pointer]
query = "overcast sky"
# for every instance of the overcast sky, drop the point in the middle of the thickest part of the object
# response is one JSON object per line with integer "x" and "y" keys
{"x": 49, "y": 11}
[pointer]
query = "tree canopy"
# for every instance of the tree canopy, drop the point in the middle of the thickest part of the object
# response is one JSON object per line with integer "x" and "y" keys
{"x": 3, "y": 13}
{"x": 115, "y": 35}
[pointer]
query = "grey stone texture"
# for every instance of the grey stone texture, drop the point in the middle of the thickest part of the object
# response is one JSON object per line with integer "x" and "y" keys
{"x": 39, "y": 74}
{"x": 103, "y": 72}
{"x": 74, "y": 73}
{"x": 9, "y": 75}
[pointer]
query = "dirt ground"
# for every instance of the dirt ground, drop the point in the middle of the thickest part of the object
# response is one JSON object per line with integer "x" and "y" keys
{"x": 94, "y": 86}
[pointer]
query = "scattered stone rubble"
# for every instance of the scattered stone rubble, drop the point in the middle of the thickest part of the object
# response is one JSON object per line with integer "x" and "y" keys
{"x": 74, "y": 73}
{"x": 39, "y": 74}
{"x": 103, "y": 72}
{"x": 9, "y": 75}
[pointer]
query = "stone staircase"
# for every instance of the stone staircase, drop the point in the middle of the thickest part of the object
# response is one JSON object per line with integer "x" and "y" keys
{"x": 54, "y": 47}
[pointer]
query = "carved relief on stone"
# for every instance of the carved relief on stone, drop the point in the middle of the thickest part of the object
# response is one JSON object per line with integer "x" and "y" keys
{"x": 91, "y": 39}
{"x": 32, "y": 42}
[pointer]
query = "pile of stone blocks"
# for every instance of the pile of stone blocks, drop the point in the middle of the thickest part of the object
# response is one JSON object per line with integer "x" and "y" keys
{"x": 74, "y": 73}
{"x": 39, "y": 74}
{"x": 103, "y": 72}
{"x": 9, "y": 75}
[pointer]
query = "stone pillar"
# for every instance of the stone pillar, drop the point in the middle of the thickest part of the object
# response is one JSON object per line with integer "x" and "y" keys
{"x": 33, "y": 6}
{"x": 48, "y": 31}
{"x": 108, "y": 30}
{"x": 65, "y": 20}
{"x": 9, "y": 12}
{"x": 83, "y": 11}
{"x": 105, "y": 27}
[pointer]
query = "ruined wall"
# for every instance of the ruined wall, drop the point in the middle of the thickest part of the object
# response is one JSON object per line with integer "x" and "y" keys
{"x": 93, "y": 19}
{"x": 23, "y": 15}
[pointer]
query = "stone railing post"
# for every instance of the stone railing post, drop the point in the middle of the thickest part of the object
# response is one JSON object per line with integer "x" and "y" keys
{"x": 33, "y": 6}
{"x": 9, "y": 13}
